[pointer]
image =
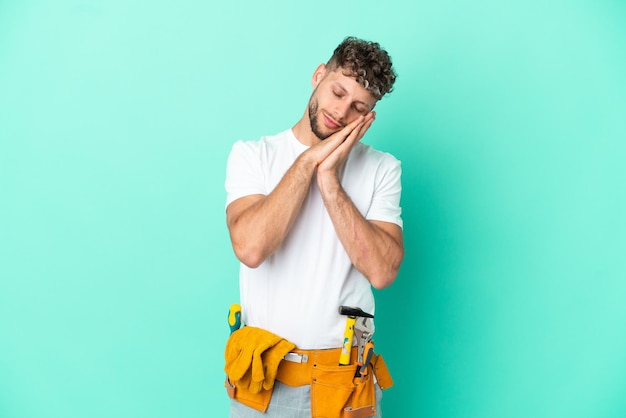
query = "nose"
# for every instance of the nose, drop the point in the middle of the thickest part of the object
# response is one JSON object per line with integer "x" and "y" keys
{"x": 340, "y": 112}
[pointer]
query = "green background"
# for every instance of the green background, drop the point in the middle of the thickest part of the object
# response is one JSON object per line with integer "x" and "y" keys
{"x": 116, "y": 272}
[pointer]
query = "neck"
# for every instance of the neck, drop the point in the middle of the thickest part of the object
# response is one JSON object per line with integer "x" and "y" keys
{"x": 303, "y": 133}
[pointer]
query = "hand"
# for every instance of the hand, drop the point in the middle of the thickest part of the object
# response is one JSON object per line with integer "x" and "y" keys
{"x": 344, "y": 140}
{"x": 319, "y": 152}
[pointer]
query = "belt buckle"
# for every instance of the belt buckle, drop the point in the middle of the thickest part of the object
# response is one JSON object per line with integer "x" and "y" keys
{"x": 296, "y": 358}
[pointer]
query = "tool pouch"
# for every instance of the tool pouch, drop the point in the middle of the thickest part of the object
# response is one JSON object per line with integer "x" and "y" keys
{"x": 362, "y": 403}
{"x": 336, "y": 393}
{"x": 383, "y": 377}
{"x": 259, "y": 401}
{"x": 331, "y": 388}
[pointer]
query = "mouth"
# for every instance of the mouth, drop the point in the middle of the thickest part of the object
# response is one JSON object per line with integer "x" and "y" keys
{"x": 330, "y": 122}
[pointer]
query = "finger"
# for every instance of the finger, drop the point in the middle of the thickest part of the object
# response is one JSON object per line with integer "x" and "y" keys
{"x": 363, "y": 128}
{"x": 354, "y": 136}
{"x": 357, "y": 121}
{"x": 341, "y": 135}
{"x": 353, "y": 125}
{"x": 367, "y": 125}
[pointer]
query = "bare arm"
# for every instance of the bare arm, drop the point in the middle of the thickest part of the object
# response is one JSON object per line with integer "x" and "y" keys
{"x": 258, "y": 224}
{"x": 375, "y": 248}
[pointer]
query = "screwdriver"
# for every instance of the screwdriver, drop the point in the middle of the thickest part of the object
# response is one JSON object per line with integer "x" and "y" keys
{"x": 234, "y": 317}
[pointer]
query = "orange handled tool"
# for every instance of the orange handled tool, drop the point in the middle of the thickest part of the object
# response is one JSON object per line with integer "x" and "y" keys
{"x": 367, "y": 357}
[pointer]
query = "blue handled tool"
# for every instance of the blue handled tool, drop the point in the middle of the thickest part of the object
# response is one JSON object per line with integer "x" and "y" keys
{"x": 234, "y": 317}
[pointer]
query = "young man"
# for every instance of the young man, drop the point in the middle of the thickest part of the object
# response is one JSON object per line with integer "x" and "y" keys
{"x": 314, "y": 218}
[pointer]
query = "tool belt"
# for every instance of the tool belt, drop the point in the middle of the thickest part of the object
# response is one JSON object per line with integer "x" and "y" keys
{"x": 335, "y": 391}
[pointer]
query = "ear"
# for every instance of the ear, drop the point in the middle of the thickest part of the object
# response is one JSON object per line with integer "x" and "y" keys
{"x": 318, "y": 75}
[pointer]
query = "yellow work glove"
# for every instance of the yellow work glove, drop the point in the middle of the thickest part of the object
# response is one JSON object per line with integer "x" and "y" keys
{"x": 272, "y": 358}
{"x": 241, "y": 348}
{"x": 238, "y": 355}
{"x": 260, "y": 365}
{"x": 246, "y": 381}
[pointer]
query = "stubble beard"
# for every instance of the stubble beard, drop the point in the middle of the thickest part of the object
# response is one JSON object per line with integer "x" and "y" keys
{"x": 313, "y": 119}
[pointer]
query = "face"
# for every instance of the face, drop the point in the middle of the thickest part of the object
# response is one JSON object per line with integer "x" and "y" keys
{"x": 336, "y": 101}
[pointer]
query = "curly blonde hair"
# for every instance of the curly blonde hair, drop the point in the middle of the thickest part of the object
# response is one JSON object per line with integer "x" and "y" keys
{"x": 367, "y": 62}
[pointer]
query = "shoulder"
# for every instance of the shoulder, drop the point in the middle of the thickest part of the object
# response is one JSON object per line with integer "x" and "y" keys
{"x": 258, "y": 145}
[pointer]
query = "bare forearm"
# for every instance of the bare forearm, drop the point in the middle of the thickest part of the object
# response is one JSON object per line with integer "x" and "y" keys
{"x": 375, "y": 248}
{"x": 258, "y": 225}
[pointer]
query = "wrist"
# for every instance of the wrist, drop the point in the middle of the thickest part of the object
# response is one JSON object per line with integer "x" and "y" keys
{"x": 306, "y": 162}
{"x": 328, "y": 182}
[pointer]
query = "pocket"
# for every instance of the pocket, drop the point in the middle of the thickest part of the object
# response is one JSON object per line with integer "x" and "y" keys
{"x": 382, "y": 372}
{"x": 259, "y": 401}
{"x": 331, "y": 387}
{"x": 362, "y": 403}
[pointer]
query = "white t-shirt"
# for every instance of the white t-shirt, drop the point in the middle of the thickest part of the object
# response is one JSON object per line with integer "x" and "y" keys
{"x": 296, "y": 292}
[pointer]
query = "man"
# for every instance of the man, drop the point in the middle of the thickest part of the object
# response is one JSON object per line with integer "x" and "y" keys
{"x": 314, "y": 218}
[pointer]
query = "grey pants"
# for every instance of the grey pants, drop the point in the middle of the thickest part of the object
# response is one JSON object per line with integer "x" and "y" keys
{"x": 287, "y": 402}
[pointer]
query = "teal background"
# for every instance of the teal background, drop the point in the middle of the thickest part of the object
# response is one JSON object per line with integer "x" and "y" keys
{"x": 116, "y": 272}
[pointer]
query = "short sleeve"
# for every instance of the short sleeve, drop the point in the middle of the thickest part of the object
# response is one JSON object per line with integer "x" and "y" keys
{"x": 244, "y": 175}
{"x": 386, "y": 200}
